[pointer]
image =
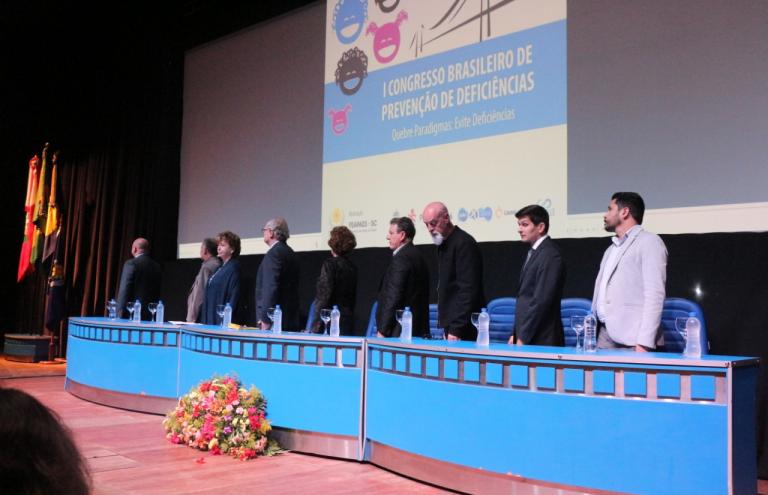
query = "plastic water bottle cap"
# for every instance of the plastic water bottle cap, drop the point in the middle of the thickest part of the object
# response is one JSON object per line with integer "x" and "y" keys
{"x": 483, "y": 310}
{"x": 335, "y": 307}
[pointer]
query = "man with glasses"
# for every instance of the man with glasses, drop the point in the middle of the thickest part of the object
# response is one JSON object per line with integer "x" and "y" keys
{"x": 459, "y": 273}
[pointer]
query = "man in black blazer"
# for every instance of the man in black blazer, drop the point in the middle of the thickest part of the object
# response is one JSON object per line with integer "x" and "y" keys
{"x": 277, "y": 281}
{"x": 460, "y": 274}
{"x": 537, "y": 317}
{"x": 405, "y": 283}
{"x": 140, "y": 279}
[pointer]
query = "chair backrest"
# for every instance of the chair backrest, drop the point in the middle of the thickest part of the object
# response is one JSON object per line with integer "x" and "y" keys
{"x": 436, "y": 333}
{"x": 310, "y": 317}
{"x": 675, "y": 307}
{"x": 573, "y": 306}
{"x": 502, "y": 313}
{"x": 371, "y": 332}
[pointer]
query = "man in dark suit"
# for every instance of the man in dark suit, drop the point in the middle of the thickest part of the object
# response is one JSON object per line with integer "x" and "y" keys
{"x": 405, "y": 283}
{"x": 277, "y": 281}
{"x": 537, "y": 316}
{"x": 141, "y": 279}
{"x": 460, "y": 274}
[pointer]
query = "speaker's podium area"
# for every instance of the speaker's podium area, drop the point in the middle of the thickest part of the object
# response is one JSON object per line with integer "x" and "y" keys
{"x": 499, "y": 419}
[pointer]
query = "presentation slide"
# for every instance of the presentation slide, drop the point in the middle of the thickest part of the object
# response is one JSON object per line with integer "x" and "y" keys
{"x": 462, "y": 102}
{"x": 351, "y": 112}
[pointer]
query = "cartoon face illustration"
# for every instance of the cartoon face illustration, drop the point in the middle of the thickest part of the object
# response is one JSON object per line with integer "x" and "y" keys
{"x": 339, "y": 120}
{"x": 349, "y": 18}
{"x": 351, "y": 69}
{"x": 387, "y": 6}
{"x": 386, "y": 39}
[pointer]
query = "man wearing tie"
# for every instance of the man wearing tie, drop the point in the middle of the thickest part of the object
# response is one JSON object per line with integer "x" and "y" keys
{"x": 537, "y": 314}
{"x": 629, "y": 290}
{"x": 405, "y": 283}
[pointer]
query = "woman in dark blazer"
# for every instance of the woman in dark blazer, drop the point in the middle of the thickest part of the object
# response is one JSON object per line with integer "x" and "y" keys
{"x": 337, "y": 284}
{"x": 224, "y": 285}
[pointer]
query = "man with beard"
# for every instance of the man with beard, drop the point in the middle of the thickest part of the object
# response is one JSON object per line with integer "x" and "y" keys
{"x": 459, "y": 274}
{"x": 629, "y": 290}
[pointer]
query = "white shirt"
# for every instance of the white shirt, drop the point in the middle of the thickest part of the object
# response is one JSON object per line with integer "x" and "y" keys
{"x": 614, "y": 252}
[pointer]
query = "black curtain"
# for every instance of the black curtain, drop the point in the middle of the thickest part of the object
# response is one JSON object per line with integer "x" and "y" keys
{"x": 107, "y": 95}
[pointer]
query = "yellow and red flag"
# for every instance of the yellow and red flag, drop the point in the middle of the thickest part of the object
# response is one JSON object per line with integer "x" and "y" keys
{"x": 38, "y": 217}
{"x": 25, "y": 267}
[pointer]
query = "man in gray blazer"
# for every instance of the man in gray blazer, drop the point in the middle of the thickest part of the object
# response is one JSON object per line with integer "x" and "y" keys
{"x": 210, "y": 264}
{"x": 629, "y": 290}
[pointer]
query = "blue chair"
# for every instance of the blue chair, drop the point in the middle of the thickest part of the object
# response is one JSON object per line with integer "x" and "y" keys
{"x": 310, "y": 317}
{"x": 675, "y": 307}
{"x": 502, "y": 313}
{"x": 371, "y": 332}
{"x": 573, "y": 306}
{"x": 436, "y": 333}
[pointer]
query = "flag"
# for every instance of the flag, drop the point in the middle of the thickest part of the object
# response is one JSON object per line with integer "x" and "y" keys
{"x": 38, "y": 217}
{"x": 25, "y": 267}
{"x": 52, "y": 218}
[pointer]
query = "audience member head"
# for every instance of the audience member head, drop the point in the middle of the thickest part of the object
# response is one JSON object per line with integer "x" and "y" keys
{"x": 228, "y": 245}
{"x": 438, "y": 221}
{"x": 625, "y": 210}
{"x": 401, "y": 231}
{"x": 208, "y": 248}
{"x": 38, "y": 455}
{"x": 532, "y": 223}
{"x": 139, "y": 246}
{"x": 342, "y": 241}
{"x": 275, "y": 230}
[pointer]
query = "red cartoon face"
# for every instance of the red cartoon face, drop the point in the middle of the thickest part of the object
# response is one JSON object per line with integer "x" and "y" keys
{"x": 386, "y": 39}
{"x": 339, "y": 119}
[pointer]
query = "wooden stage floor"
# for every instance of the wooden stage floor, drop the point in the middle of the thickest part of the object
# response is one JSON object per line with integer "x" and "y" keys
{"x": 128, "y": 454}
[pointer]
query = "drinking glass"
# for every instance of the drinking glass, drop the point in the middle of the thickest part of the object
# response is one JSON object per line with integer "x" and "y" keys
{"x": 473, "y": 318}
{"x": 325, "y": 315}
{"x": 577, "y": 323}
{"x": 220, "y": 312}
{"x": 680, "y": 323}
{"x": 152, "y": 307}
{"x": 130, "y": 307}
{"x": 399, "y": 316}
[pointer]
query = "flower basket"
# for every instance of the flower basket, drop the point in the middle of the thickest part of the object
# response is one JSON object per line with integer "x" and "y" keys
{"x": 221, "y": 416}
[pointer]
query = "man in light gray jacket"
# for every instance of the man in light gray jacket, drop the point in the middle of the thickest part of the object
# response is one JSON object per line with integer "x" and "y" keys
{"x": 629, "y": 290}
{"x": 211, "y": 263}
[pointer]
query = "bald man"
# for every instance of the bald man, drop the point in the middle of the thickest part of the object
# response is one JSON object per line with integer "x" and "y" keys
{"x": 460, "y": 274}
{"x": 140, "y": 279}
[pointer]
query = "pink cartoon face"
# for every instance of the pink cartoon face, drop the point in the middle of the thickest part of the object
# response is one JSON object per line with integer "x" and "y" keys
{"x": 339, "y": 119}
{"x": 386, "y": 39}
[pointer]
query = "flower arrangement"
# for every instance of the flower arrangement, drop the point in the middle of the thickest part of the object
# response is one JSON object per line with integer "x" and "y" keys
{"x": 221, "y": 416}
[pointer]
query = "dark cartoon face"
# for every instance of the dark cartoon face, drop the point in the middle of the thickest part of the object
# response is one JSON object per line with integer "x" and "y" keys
{"x": 349, "y": 19}
{"x": 339, "y": 119}
{"x": 387, "y": 6}
{"x": 386, "y": 39}
{"x": 351, "y": 70}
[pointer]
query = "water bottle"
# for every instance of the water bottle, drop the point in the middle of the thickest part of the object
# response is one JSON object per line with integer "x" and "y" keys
{"x": 590, "y": 334}
{"x": 483, "y": 332}
{"x": 406, "y": 325}
{"x": 137, "y": 311}
{"x": 160, "y": 312}
{"x": 112, "y": 309}
{"x": 277, "y": 319}
{"x": 227, "y": 318}
{"x": 335, "y": 316}
{"x": 692, "y": 340}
